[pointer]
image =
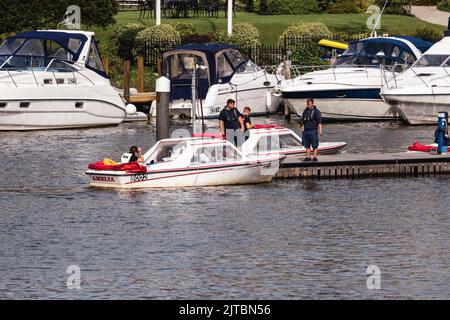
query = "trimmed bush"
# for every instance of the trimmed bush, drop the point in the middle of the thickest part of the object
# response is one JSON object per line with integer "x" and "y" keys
{"x": 345, "y": 6}
{"x": 244, "y": 34}
{"x": 185, "y": 29}
{"x": 155, "y": 35}
{"x": 309, "y": 54}
{"x": 121, "y": 41}
{"x": 315, "y": 30}
{"x": 429, "y": 34}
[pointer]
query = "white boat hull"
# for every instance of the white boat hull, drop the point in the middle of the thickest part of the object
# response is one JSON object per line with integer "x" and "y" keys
{"x": 349, "y": 109}
{"x": 60, "y": 108}
{"x": 418, "y": 109}
{"x": 188, "y": 177}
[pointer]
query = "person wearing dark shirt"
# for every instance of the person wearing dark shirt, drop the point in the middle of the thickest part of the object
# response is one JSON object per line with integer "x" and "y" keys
{"x": 246, "y": 118}
{"x": 311, "y": 125}
{"x": 230, "y": 122}
{"x": 136, "y": 155}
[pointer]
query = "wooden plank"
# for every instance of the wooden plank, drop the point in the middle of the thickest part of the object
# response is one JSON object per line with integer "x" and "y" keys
{"x": 140, "y": 74}
{"x": 144, "y": 97}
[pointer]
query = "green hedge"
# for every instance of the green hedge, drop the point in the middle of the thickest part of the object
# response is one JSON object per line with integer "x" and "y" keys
{"x": 444, "y": 5}
{"x": 281, "y": 7}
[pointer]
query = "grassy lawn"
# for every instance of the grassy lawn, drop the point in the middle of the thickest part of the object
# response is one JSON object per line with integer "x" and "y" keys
{"x": 271, "y": 27}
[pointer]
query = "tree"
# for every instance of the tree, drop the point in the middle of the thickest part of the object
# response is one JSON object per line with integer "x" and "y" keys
{"x": 249, "y": 6}
{"x": 41, "y": 14}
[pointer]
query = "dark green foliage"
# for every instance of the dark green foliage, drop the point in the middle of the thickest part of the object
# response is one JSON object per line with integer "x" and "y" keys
{"x": 398, "y": 7}
{"x": 40, "y": 14}
{"x": 429, "y": 34}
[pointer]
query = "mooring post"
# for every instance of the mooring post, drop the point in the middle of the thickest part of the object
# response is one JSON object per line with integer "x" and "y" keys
{"x": 442, "y": 132}
{"x": 140, "y": 73}
{"x": 162, "y": 108}
{"x": 287, "y": 76}
{"x": 126, "y": 79}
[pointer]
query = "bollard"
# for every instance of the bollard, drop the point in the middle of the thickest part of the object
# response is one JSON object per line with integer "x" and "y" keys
{"x": 126, "y": 79}
{"x": 162, "y": 108}
{"x": 442, "y": 132}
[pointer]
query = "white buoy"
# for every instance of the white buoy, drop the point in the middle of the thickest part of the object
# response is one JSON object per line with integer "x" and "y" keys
{"x": 130, "y": 109}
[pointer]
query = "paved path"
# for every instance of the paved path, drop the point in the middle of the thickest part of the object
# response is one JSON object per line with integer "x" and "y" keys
{"x": 431, "y": 14}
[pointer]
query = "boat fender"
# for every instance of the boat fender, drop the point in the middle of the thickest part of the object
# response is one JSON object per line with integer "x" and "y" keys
{"x": 130, "y": 109}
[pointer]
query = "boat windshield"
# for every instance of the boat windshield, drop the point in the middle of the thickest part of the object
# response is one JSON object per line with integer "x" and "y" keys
{"x": 366, "y": 53}
{"x": 277, "y": 142}
{"x": 229, "y": 61}
{"x": 167, "y": 151}
{"x": 180, "y": 66}
{"x": 36, "y": 54}
{"x": 433, "y": 60}
{"x": 248, "y": 67}
{"x": 215, "y": 153}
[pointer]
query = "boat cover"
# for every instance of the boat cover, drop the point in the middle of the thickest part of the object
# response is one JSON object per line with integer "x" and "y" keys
{"x": 416, "y": 146}
{"x": 132, "y": 167}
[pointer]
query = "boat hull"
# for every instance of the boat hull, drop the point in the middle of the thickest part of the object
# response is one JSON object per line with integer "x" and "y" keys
{"x": 43, "y": 109}
{"x": 188, "y": 177}
{"x": 419, "y": 109}
{"x": 353, "y": 107}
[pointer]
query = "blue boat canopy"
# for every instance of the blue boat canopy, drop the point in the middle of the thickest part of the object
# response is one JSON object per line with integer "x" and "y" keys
{"x": 394, "y": 50}
{"x": 71, "y": 42}
{"x": 219, "y": 63}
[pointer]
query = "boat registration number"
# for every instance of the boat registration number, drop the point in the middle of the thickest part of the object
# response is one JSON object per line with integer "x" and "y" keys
{"x": 139, "y": 177}
{"x": 214, "y": 109}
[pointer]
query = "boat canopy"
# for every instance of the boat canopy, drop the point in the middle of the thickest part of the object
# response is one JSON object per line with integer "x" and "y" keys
{"x": 368, "y": 51}
{"x": 220, "y": 62}
{"x": 73, "y": 43}
{"x": 47, "y": 50}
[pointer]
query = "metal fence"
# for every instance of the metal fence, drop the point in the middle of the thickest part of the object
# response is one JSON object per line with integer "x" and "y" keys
{"x": 260, "y": 54}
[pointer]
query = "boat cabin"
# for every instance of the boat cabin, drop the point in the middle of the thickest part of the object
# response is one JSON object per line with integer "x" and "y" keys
{"x": 385, "y": 51}
{"x": 169, "y": 153}
{"x": 52, "y": 51}
{"x": 218, "y": 64}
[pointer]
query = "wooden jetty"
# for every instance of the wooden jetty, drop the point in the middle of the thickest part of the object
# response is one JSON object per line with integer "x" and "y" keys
{"x": 366, "y": 165}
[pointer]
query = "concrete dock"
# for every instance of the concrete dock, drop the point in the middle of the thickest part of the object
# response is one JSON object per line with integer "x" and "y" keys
{"x": 366, "y": 165}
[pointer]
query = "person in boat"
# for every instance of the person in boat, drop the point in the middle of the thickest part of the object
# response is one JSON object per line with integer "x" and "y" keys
{"x": 136, "y": 155}
{"x": 311, "y": 125}
{"x": 231, "y": 123}
{"x": 246, "y": 118}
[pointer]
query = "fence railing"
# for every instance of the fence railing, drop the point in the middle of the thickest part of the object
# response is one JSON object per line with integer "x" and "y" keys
{"x": 260, "y": 54}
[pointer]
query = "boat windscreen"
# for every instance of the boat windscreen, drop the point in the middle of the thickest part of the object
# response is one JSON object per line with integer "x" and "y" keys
{"x": 215, "y": 153}
{"x": 180, "y": 65}
{"x": 433, "y": 60}
{"x": 31, "y": 53}
{"x": 366, "y": 53}
{"x": 94, "y": 61}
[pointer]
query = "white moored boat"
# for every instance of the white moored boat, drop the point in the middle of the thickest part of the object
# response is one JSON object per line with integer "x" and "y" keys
{"x": 223, "y": 72}
{"x": 272, "y": 139}
{"x": 188, "y": 162}
{"x": 54, "y": 79}
{"x": 349, "y": 89}
{"x": 424, "y": 90}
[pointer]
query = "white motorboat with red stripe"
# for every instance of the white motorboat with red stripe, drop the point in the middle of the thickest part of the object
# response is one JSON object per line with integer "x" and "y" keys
{"x": 264, "y": 140}
{"x": 189, "y": 162}
{"x": 267, "y": 140}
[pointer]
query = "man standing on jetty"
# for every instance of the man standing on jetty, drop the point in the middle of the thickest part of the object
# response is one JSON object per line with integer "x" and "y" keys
{"x": 231, "y": 123}
{"x": 311, "y": 124}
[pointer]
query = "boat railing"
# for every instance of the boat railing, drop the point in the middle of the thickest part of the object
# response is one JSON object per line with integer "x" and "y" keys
{"x": 76, "y": 74}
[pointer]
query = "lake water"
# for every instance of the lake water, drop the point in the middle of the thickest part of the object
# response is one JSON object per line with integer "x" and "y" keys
{"x": 289, "y": 239}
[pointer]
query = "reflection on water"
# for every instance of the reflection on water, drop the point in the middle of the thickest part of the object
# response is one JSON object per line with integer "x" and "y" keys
{"x": 287, "y": 239}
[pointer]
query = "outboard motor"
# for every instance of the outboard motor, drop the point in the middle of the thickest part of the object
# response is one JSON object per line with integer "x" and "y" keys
{"x": 442, "y": 138}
